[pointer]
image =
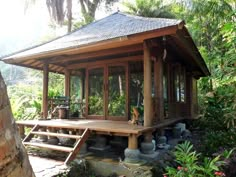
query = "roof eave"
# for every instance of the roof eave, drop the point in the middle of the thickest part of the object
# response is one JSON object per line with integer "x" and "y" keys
{"x": 110, "y": 43}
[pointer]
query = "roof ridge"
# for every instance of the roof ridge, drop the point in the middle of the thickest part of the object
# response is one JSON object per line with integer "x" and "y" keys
{"x": 143, "y": 17}
{"x": 51, "y": 40}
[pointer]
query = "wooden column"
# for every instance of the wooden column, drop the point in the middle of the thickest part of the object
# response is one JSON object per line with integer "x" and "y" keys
{"x": 67, "y": 83}
{"x": 45, "y": 91}
{"x": 148, "y": 106}
{"x": 158, "y": 79}
{"x": 133, "y": 141}
{"x": 193, "y": 98}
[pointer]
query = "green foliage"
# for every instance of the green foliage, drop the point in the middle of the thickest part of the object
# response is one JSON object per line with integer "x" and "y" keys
{"x": 25, "y": 101}
{"x": 96, "y": 105}
{"x": 190, "y": 164}
{"x": 116, "y": 106}
{"x": 218, "y": 108}
{"x": 215, "y": 141}
{"x": 218, "y": 119}
{"x": 149, "y": 8}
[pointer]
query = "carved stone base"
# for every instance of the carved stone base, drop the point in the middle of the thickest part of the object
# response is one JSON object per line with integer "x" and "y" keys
{"x": 132, "y": 155}
{"x": 100, "y": 145}
{"x": 118, "y": 142}
{"x": 149, "y": 157}
{"x": 53, "y": 140}
{"x": 43, "y": 138}
{"x": 147, "y": 148}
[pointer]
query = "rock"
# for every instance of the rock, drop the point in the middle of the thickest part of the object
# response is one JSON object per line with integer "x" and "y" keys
{"x": 177, "y": 132}
{"x": 132, "y": 155}
{"x": 181, "y": 125}
{"x": 161, "y": 140}
{"x": 186, "y": 134}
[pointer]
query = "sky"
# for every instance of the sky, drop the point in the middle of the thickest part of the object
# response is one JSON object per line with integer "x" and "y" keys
{"x": 20, "y": 29}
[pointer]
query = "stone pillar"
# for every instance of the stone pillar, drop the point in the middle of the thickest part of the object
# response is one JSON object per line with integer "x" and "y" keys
{"x": 132, "y": 153}
{"x": 148, "y": 148}
{"x": 101, "y": 144}
{"x": 52, "y": 139}
{"x": 14, "y": 160}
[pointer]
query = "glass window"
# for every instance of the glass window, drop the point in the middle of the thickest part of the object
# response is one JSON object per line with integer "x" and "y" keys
{"x": 180, "y": 84}
{"x": 117, "y": 91}
{"x": 95, "y": 98}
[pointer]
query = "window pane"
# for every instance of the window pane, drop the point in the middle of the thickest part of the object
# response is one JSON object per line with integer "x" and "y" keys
{"x": 182, "y": 86}
{"x": 177, "y": 89}
{"x": 117, "y": 91}
{"x": 95, "y": 99}
{"x": 136, "y": 86}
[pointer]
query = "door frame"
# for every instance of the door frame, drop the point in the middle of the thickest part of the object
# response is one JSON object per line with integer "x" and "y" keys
{"x": 89, "y": 116}
{"x": 125, "y": 117}
{"x": 105, "y": 116}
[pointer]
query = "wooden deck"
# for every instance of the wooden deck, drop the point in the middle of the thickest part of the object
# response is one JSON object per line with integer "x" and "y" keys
{"x": 107, "y": 127}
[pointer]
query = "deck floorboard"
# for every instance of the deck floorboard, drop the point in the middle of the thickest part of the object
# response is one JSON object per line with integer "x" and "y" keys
{"x": 102, "y": 126}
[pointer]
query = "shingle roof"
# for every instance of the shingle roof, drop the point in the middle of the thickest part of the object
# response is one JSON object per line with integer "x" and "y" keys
{"x": 114, "y": 26}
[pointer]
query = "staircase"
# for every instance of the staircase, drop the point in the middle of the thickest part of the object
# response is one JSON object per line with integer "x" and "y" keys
{"x": 80, "y": 140}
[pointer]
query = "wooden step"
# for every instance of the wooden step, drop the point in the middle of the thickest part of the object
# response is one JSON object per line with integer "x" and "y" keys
{"x": 30, "y": 135}
{"x": 56, "y": 134}
{"x": 49, "y": 146}
{"x": 77, "y": 146}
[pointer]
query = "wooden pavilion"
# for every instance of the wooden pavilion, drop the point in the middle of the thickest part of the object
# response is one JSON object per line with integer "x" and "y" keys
{"x": 122, "y": 61}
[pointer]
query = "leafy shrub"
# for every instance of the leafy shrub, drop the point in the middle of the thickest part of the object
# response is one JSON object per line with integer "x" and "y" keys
{"x": 116, "y": 106}
{"x": 96, "y": 105}
{"x": 218, "y": 108}
{"x": 190, "y": 164}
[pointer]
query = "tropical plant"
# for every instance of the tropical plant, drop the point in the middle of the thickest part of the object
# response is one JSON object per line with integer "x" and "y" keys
{"x": 189, "y": 164}
{"x": 96, "y": 105}
{"x": 149, "y": 8}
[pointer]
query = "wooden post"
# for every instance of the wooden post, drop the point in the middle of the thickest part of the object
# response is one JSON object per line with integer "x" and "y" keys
{"x": 67, "y": 83}
{"x": 158, "y": 79}
{"x": 133, "y": 141}
{"x": 21, "y": 131}
{"x": 193, "y": 98}
{"x": 45, "y": 91}
{"x": 147, "y": 64}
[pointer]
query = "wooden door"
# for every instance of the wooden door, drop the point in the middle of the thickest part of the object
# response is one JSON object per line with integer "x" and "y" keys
{"x": 117, "y": 92}
{"x": 95, "y": 99}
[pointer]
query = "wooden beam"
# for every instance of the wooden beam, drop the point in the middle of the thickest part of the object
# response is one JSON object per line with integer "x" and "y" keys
{"x": 67, "y": 83}
{"x": 158, "y": 80}
{"x": 107, "y": 44}
{"x": 45, "y": 91}
{"x": 78, "y": 146}
{"x": 102, "y": 62}
{"x": 185, "y": 43}
{"x": 106, "y": 52}
{"x": 148, "y": 106}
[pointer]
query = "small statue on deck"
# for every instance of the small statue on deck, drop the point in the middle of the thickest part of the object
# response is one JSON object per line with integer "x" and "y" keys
{"x": 135, "y": 117}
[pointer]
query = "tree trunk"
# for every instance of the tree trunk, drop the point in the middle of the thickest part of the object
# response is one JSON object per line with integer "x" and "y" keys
{"x": 88, "y": 9}
{"x": 69, "y": 15}
{"x": 14, "y": 161}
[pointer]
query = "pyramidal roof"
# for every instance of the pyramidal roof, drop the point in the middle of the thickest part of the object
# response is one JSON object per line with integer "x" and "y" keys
{"x": 114, "y": 26}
